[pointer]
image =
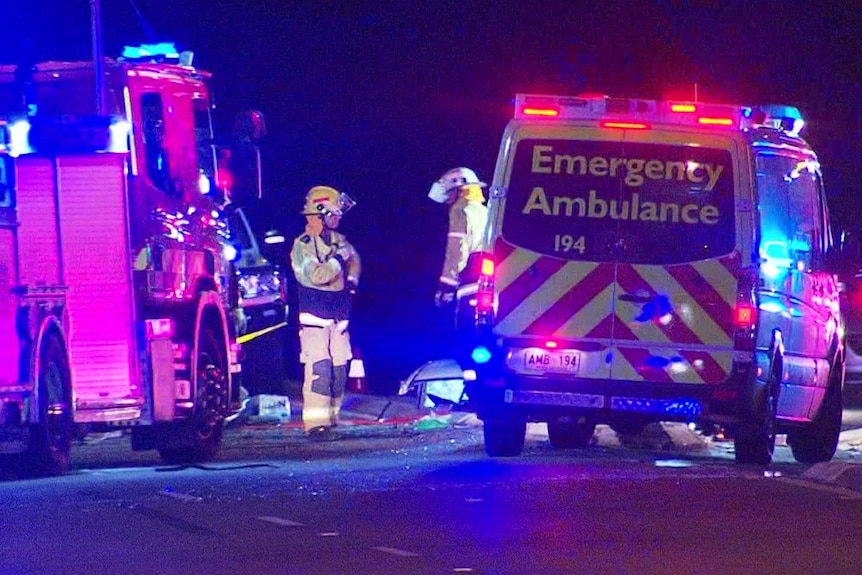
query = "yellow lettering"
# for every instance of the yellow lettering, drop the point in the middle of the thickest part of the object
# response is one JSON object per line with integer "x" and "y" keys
{"x": 655, "y": 169}
{"x": 616, "y": 163}
{"x": 539, "y": 158}
{"x": 713, "y": 173}
{"x": 709, "y": 214}
{"x": 686, "y": 213}
{"x": 649, "y": 212}
{"x": 691, "y": 172}
{"x": 671, "y": 210}
{"x": 570, "y": 162}
{"x": 633, "y": 173}
{"x": 568, "y": 203}
{"x": 537, "y": 201}
{"x": 598, "y": 166}
{"x": 678, "y": 167}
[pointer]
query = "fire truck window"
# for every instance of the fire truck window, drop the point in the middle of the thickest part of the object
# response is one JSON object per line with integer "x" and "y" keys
{"x": 204, "y": 137}
{"x": 153, "y": 119}
{"x": 5, "y": 182}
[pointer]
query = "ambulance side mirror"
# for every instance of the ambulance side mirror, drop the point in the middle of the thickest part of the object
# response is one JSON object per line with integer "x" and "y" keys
{"x": 845, "y": 256}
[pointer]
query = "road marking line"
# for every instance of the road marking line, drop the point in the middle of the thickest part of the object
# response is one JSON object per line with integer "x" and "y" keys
{"x": 397, "y": 552}
{"x": 182, "y": 496}
{"x": 329, "y": 534}
{"x": 841, "y": 491}
{"x": 280, "y": 521}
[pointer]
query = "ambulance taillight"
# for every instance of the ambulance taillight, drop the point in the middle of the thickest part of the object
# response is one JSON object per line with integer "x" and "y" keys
{"x": 485, "y": 292}
{"x": 745, "y": 313}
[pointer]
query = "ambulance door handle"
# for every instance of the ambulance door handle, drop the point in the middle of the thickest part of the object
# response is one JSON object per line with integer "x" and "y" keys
{"x": 636, "y": 298}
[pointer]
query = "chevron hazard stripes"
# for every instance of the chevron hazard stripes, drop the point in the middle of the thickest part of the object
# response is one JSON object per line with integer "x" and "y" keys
{"x": 658, "y": 323}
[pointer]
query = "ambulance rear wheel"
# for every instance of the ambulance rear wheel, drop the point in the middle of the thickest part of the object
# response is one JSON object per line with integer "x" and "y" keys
{"x": 818, "y": 441}
{"x": 570, "y": 432}
{"x": 200, "y": 437}
{"x": 754, "y": 440}
{"x": 50, "y": 441}
{"x": 504, "y": 435}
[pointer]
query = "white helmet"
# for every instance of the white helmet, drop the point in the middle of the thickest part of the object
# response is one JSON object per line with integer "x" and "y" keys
{"x": 443, "y": 189}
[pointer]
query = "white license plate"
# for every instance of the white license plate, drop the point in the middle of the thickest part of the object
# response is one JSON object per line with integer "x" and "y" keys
{"x": 562, "y": 360}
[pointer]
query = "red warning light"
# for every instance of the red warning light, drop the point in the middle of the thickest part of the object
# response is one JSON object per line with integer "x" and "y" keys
{"x": 715, "y": 121}
{"x": 688, "y": 108}
{"x": 547, "y": 112}
{"x": 625, "y": 125}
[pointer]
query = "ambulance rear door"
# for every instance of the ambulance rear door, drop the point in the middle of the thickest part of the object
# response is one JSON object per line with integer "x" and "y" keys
{"x": 677, "y": 258}
{"x": 555, "y": 263}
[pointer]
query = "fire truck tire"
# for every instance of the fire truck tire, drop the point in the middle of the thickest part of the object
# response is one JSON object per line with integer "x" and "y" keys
{"x": 504, "y": 435}
{"x": 754, "y": 439}
{"x": 50, "y": 441}
{"x": 570, "y": 433}
{"x": 200, "y": 437}
{"x": 818, "y": 441}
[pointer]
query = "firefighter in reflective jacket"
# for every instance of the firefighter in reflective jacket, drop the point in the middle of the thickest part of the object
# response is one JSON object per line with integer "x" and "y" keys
{"x": 327, "y": 271}
{"x": 468, "y": 215}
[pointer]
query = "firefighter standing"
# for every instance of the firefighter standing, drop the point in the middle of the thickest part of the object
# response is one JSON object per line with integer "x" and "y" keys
{"x": 327, "y": 271}
{"x": 468, "y": 215}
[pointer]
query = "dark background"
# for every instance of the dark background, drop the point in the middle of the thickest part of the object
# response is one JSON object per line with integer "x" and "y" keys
{"x": 380, "y": 98}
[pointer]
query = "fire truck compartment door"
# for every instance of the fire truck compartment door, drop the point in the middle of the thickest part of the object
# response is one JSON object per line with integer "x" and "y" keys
{"x": 96, "y": 267}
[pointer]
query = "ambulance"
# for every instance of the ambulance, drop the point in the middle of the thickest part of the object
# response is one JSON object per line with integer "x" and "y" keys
{"x": 654, "y": 261}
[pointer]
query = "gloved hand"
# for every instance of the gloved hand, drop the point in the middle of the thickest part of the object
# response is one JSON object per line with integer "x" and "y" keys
{"x": 445, "y": 295}
{"x": 352, "y": 285}
{"x": 342, "y": 253}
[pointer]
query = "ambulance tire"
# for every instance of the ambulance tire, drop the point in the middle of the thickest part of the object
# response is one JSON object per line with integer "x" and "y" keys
{"x": 50, "y": 443}
{"x": 754, "y": 439}
{"x": 504, "y": 435}
{"x": 199, "y": 438}
{"x": 817, "y": 442}
{"x": 569, "y": 433}
{"x": 629, "y": 426}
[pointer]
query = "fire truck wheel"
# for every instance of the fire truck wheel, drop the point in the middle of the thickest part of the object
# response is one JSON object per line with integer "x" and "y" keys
{"x": 754, "y": 439}
{"x": 568, "y": 432}
{"x": 51, "y": 439}
{"x": 818, "y": 441}
{"x": 203, "y": 432}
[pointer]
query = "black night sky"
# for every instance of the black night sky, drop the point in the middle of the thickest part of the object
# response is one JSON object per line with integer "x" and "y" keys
{"x": 378, "y": 98}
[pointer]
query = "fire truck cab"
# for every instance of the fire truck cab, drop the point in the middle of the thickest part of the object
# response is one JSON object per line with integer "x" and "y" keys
{"x": 658, "y": 261}
{"x": 118, "y": 289}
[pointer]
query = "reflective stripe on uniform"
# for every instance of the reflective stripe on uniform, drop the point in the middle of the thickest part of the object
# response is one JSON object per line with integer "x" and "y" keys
{"x": 312, "y": 320}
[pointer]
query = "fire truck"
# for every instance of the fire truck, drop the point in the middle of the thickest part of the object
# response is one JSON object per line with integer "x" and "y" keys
{"x": 120, "y": 300}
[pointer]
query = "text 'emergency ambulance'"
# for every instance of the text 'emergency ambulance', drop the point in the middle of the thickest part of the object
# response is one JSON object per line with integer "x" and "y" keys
{"x": 633, "y": 171}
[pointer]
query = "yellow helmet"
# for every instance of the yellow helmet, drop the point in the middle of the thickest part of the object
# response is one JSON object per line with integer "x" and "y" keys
{"x": 321, "y": 200}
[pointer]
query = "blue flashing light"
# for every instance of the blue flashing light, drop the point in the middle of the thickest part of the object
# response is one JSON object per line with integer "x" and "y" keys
{"x": 481, "y": 354}
{"x": 782, "y": 111}
{"x": 150, "y": 51}
{"x": 683, "y": 407}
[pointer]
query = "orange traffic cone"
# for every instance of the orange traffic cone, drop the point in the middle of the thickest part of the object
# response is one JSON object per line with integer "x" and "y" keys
{"x": 356, "y": 374}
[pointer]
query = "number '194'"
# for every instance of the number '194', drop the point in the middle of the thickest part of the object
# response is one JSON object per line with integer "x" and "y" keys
{"x": 567, "y": 243}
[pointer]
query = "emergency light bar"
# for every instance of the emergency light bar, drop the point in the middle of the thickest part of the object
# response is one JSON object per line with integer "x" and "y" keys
{"x": 632, "y": 113}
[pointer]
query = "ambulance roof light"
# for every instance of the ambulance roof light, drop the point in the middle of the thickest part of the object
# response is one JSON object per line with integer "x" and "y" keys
{"x": 779, "y": 117}
{"x": 627, "y": 113}
{"x": 633, "y": 113}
